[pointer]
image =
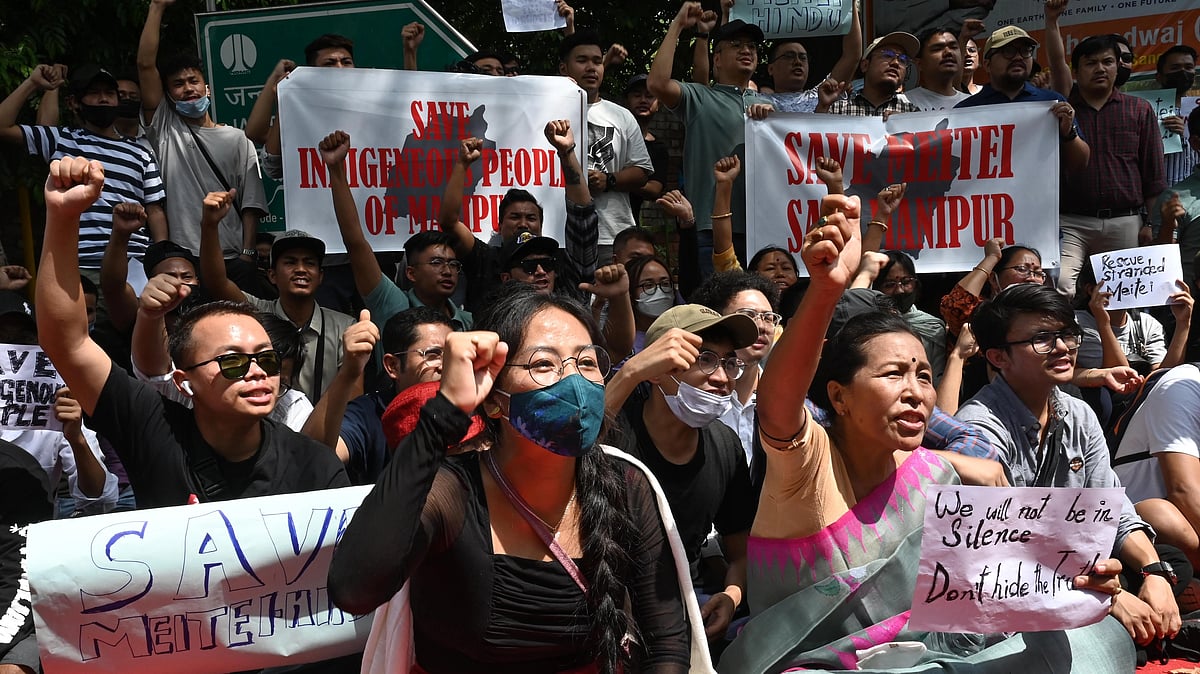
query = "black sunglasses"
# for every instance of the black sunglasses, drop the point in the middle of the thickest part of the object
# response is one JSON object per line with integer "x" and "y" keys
{"x": 234, "y": 366}
{"x": 530, "y": 264}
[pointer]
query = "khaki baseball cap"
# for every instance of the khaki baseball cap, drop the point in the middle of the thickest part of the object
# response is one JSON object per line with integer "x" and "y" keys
{"x": 1004, "y": 36}
{"x": 697, "y": 318}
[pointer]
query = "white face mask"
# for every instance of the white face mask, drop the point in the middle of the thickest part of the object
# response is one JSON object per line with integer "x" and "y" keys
{"x": 655, "y": 302}
{"x": 695, "y": 407}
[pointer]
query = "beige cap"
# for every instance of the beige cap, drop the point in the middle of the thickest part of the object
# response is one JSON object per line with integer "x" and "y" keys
{"x": 1005, "y": 35}
{"x": 697, "y": 318}
{"x": 907, "y": 40}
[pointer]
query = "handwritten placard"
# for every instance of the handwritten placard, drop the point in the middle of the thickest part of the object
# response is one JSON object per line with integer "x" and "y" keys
{"x": 1163, "y": 102}
{"x": 1004, "y": 559}
{"x": 215, "y": 587}
{"x": 1138, "y": 277}
{"x": 28, "y": 382}
{"x": 796, "y": 18}
{"x": 527, "y": 16}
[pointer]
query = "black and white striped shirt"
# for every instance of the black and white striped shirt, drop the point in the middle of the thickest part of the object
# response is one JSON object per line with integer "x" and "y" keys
{"x": 130, "y": 174}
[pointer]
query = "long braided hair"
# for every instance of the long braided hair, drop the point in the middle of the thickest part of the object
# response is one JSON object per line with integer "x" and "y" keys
{"x": 606, "y": 527}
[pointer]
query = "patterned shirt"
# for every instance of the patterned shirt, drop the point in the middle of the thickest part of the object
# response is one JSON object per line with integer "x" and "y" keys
{"x": 858, "y": 106}
{"x": 130, "y": 174}
{"x": 1126, "y": 165}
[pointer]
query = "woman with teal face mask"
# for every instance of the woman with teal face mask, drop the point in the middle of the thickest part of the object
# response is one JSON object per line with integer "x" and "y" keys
{"x": 519, "y": 558}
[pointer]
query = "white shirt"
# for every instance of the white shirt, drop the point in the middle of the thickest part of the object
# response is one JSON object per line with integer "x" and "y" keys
{"x": 1167, "y": 421}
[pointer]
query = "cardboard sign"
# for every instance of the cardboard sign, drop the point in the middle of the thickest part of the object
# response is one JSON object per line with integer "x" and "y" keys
{"x": 1163, "y": 102}
{"x": 216, "y": 587}
{"x": 28, "y": 383}
{"x": 796, "y": 18}
{"x": 1139, "y": 277}
{"x": 527, "y": 16}
{"x": 405, "y": 130}
{"x": 973, "y": 174}
{"x": 1004, "y": 559}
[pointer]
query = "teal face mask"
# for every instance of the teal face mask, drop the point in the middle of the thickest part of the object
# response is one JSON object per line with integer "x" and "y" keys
{"x": 564, "y": 418}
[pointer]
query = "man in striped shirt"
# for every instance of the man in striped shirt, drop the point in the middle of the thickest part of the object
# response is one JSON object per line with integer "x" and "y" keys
{"x": 132, "y": 172}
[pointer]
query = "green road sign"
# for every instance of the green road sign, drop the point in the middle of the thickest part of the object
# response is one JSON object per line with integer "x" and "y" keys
{"x": 240, "y": 48}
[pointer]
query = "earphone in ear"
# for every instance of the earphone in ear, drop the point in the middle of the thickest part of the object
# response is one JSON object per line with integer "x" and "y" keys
{"x": 187, "y": 387}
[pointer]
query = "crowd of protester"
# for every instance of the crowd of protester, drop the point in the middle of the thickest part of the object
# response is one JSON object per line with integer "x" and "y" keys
{"x": 573, "y": 467}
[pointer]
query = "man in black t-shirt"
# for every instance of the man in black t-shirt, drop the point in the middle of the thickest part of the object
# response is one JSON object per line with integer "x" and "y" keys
{"x": 225, "y": 447}
{"x": 691, "y": 364}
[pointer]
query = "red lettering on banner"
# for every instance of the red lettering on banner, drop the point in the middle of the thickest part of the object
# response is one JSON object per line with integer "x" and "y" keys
{"x": 966, "y": 136}
{"x": 792, "y": 144}
{"x": 938, "y": 222}
{"x": 934, "y": 156}
{"x": 312, "y": 168}
{"x": 440, "y": 120}
{"x": 801, "y": 216}
{"x": 374, "y": 214}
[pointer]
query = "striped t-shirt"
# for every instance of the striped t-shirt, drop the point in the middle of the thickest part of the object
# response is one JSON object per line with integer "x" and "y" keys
{"x": 130, "y": 174}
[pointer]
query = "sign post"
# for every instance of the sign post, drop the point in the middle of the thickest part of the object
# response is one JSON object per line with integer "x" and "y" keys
{"x": 240, "y": 48}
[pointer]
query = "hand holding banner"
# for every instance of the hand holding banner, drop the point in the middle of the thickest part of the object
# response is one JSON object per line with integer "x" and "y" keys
{"x": 1139, "y": 277}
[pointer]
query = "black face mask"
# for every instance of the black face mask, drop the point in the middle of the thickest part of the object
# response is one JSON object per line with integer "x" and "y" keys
{"x": 101, "y": 116}
{"x": 1123, "y": 73}
{"x": 905, "y": 301}
{"x": 128, "y": 109}
{"x": 1180, "y": 81}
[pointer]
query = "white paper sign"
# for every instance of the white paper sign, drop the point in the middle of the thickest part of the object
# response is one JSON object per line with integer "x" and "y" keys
{"x": 1163, "y": 102}
{"x": 28, "y": 382}
{"x": 1004, "y": 559}
{"x": 405, "y": 130}
{"x": 796, "y": 18}
{"x": 216, "y": 587}
{"x": 1186, "y": 105}
{"x": 527, "y": 16}
{"x": 1139, "y": 277}
{"x": 973, "y": 174}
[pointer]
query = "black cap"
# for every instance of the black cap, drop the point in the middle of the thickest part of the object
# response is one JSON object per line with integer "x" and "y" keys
{"x": 523, "y": 245}
{"x": 14, "y": 303}
{"x": 857, "y": 301}
{"x": 635, "y": 81}
{"x": 161, "y": 250}
{"x": 82, "y": 77}
{"x": 294, "y": 238}
{"x": 734, "y": 28}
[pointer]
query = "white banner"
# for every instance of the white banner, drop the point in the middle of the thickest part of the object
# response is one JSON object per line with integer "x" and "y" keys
{"x": 405, "y": 129}
{"x": 796, "y": 18}
{"x": 216, "y": 587}
{"x": 973, "y": 174}
{"x": 28, "y": 382}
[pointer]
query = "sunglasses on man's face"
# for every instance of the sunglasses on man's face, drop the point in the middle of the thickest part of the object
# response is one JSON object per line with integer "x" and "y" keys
{"x": 234, "y": 366}
{"x": 530, "y": 264}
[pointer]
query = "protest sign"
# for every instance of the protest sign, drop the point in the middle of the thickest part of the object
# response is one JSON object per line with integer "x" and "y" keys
{"x": 796, "y": 18}
{"x": 1138, "y": 277}
{"x": 973, "y": 174}
{"x": 1186, "y": 105}
{"x": 1163, "y": 102}
{"x": 239, "y": 49}
{"x": 1150, "y": 26}
{"x": 28, "y": 382}
{"x": 216, "y": 587}
{"x": 527, "y": 16}
{"x": 405, "y": 130}
{"x": 1004, "y": 559}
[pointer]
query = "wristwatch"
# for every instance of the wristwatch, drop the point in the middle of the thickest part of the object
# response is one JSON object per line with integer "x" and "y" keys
{"x": 610, "y": 182}
{"x": 1162, "y": 569}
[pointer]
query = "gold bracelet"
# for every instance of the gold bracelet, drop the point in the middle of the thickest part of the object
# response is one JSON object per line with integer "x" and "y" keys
{"x": 879, "y": 224}
{"x": 986, "y": 271}
{"x": 714, "y": 216}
